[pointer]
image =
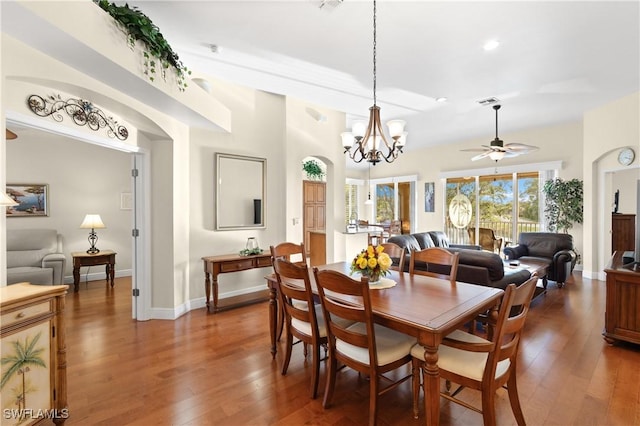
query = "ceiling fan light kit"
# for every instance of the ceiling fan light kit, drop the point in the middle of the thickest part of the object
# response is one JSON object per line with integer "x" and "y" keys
{"x": 497, "y": 150}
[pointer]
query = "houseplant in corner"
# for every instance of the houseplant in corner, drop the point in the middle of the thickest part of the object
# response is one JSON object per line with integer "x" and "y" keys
{"x": 563, "y": 205}
{"x": 158, "y": 56}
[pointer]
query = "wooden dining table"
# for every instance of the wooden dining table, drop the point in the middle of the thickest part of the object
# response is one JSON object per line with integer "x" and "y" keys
{"x": 424, "y": 307}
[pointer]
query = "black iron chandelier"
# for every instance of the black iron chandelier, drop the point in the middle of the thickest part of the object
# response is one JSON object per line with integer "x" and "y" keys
{"x": 364, "y": 143}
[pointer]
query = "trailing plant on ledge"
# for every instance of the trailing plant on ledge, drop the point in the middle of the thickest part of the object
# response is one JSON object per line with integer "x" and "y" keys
{"x": 313, "y": 169}
{"x": 159, "y": 55}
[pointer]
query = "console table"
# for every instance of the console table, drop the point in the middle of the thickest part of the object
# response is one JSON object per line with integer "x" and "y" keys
{"x": 103, "y": 257}
{"x": 215, "y": 265}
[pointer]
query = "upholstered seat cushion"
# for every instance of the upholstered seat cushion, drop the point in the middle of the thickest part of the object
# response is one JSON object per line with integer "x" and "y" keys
{"x": 305, "y": 327}
{"x": 30, "y": 274}
{"x": 461, "y": 362}
{"x": 390, "y": 345}
{"x": 408, "y": 242}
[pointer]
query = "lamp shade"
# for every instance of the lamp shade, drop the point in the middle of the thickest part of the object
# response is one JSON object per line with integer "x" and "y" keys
{"x": 396, "y": 127}
{"x": 5, "y": 200}
{"x": 496, "y": 155}
{"x": 92, "y": 221}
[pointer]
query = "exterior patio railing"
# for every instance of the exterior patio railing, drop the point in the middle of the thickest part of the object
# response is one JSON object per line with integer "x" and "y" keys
{"x": 501, "y": 230}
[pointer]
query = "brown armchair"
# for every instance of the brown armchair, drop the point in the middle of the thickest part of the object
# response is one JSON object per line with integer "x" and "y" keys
{"x": 487, "y": 239}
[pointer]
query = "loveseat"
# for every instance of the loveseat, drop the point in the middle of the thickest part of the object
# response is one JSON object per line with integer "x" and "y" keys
{"x": 35, "y": 256}
{"x": 474, "y": 265}
{"x": 554, "y": 249}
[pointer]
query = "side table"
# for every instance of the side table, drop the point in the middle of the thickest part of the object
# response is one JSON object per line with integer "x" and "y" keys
{"x": 104, "y": 257}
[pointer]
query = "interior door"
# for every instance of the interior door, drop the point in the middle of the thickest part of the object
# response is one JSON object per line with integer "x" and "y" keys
{"x": 314, "y": 209}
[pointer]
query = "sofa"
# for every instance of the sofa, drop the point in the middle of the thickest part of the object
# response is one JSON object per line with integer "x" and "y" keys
{"x": 475, "y": 266}
{"x": 553, "y": 248}
{"x": 35, "y": 256}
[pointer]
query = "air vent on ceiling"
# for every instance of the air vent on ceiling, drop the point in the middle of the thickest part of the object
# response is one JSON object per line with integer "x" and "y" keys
{"x": 488, "y": 101}
{"x": 330, "y": 4}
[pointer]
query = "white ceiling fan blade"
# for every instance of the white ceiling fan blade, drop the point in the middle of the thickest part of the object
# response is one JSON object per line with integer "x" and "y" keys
{"x": 480, "y": 156}
{"x": 474, "y": 150}
{"x": 520, "y": 147}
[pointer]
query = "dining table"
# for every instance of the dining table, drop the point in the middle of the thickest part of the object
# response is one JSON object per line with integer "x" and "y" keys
{"x": 424, "y": 307}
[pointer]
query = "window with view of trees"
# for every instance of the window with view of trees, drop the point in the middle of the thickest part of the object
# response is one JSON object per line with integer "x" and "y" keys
{"x": 495, "y": 202}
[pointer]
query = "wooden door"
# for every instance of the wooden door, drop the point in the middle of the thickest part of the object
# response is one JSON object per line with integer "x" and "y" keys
{"x": 314, "y": 209}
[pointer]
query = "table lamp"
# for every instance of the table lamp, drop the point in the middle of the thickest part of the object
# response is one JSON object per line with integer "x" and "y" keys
{"x": 93, "y": 222}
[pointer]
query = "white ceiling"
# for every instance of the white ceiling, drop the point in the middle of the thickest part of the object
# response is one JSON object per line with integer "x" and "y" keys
{"x": 556, "y": 60}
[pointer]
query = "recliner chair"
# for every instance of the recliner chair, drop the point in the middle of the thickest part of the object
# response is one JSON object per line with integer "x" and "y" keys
{"x": 35, "y": 256}
{"x": 554, "y": 248}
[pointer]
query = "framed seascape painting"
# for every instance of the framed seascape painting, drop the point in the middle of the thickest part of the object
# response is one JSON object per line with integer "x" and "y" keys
{"x": 32, "y": 199}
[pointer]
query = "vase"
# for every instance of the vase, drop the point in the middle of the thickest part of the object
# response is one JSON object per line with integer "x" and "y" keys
{"x": 374, "y": 277}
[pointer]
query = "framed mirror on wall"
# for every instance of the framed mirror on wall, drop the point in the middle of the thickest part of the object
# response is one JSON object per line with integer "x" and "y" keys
{"x": 241, "y": 186}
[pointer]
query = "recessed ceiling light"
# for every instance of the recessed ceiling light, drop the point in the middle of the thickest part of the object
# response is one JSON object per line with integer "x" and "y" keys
{"x": 441, "y": 99}
{"x": 491, "y": 45}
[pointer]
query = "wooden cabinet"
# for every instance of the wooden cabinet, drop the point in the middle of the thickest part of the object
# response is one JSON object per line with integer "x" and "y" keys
{"x": 623, "y": 232}
{"x": 34, "y": 354}
{"x": 622, "y": 315}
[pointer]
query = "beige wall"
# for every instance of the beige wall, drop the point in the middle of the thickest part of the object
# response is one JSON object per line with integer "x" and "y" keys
{"x": 606, "y": 130}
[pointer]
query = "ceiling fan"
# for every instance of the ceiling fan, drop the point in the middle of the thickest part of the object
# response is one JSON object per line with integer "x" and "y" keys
{"x": 497, "y": 150}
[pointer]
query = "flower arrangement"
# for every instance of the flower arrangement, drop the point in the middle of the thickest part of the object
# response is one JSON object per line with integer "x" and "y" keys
{"x": 372, "y": 262}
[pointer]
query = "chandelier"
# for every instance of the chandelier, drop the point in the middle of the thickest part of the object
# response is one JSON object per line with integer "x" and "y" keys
{"x": 365, "y": 143}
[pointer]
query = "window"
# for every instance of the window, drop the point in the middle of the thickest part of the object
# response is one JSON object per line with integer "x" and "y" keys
{"x": 495, "y": 200}
{"x": 350, "y": 202}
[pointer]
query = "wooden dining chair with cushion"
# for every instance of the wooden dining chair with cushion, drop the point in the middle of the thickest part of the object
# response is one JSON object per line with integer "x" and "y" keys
{"x": 397, "y": 254}
{"x": 301, "y": 322}
{"x": 481, "y": 364}
{"x": 366, "y": 347}
{"x": 434, "y": 262}
{"x": 294, "y": 253}
{"x": 290, "y": 251}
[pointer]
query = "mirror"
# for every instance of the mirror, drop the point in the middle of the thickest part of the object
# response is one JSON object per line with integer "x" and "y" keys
{"x": 241, "y": 192}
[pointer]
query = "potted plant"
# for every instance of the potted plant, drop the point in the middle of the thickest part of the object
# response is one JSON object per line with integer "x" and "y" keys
{"x": 313, "y": 170}
{"x": 563, "y": 203}
{"x": 563, "y": 206}
{"x": 159, "y": 55}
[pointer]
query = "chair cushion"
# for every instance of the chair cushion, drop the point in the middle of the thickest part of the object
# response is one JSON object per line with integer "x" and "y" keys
{"x": 406, "y": 241}
{"x": 424, "y": 240}
{"x": 461, "y": 362}
{"x": 305, "y": 327}
{"x": 390, "y": 345}
{"x": 30, "y": 274}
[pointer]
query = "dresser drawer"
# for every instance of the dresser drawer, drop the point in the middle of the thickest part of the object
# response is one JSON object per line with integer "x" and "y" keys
{"x": 264, "y": 261}
{"x": 27, "y": 312}
{"x": 236, "y": 265}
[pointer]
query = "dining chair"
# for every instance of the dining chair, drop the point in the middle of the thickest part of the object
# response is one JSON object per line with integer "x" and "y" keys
{"x": 288, "y": 251}
{"x": 397, "y": 254}
{"x": 301, "y": 322}
{"x": 483, "y": 364}
{"x": 368, "y": 348}
{"x": 440, "y": 263}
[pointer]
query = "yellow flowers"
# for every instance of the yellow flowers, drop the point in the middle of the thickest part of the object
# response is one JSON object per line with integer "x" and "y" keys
{"x": 372, "y": 261}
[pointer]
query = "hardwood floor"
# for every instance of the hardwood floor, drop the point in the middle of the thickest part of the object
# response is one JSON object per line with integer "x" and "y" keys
{"x": 205, "y": 369}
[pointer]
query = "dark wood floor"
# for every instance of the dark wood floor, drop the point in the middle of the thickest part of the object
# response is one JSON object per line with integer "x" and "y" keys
{"x": 205, "y": 369}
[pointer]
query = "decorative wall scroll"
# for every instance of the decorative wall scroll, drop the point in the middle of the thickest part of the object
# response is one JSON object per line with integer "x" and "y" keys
{"x": 81, "y": 112}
